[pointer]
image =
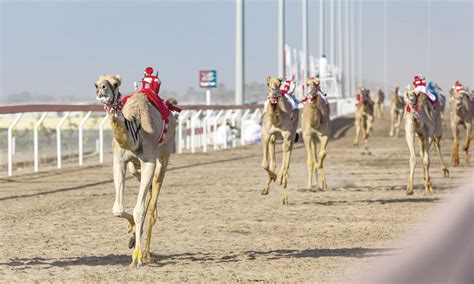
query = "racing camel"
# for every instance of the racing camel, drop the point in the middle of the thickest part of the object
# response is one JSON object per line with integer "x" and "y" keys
{"x": 397, "y": 108}
{"x": 279, "y": 122}
{"x": 462, "y": 111}
{"x": 143, "y": 135}
{"x": 364, "y": 115}
{"x": 316, "y": 126}
{"x": 423, "y": 120}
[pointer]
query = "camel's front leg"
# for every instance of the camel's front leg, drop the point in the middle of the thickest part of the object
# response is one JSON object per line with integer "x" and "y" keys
{"x": 322, "y": 155}
{"x": 148, "y": 169}
{"x": 367, "y": 128}
{"x": 357, "y": 131}
{"x": 426, "y": 164}
{"x": 454, "y": 128}
{"x": 268, "y": 147}
{"x": 309, "y": 159}
{"x": 437, "y": 142}
{"x": 119, "y": 170}
{"x": 467, "y": 141}
{"x": 398, "y": 123}
{"x": 410, "y": 138}
{"x": 392, "y": 122}
{"x": 287, "y": 149}
{"x": 152, "y": 210}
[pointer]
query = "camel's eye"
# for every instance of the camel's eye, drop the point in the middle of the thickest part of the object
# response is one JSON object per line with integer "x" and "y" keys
{"x": 104, "y": 86}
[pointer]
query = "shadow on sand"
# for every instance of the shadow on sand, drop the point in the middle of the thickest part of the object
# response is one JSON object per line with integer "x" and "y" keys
{"x": 162, "y": 260}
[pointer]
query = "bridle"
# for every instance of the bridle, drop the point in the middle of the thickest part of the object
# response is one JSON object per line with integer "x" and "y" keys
{"x": 272, "y": 98}
{"x": 115, "y": 105}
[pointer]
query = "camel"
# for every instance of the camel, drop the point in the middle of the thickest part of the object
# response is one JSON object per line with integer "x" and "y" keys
{"x": 144, "y": 138}
{"x": 315, "y": 125}
{"x": 423, "y": 120}
{"x": 364, "y": 115}
{"x": 462, "y": 111}
{"x": 397, "y": 105}
{"x": 379, "y": 101}
{"x": 279, "y": 121}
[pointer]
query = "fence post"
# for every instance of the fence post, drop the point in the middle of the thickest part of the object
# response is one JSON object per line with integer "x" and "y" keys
{"x": 58, "y": 138}
{"x": 81, "y": 125}
{"x": 205, "y": 130}
{"x": 35, "y": 141}
{"x": 101, "y": 138}
{"x": 219, "y": 114}
{"x": 229, "y": 112}
{"x": 10, "y": 145}
{"x": 244, "y": 116}
{"x": 233, "y": 119}
{"x": 180, "y": 131}
{"x": 193, "y": 119}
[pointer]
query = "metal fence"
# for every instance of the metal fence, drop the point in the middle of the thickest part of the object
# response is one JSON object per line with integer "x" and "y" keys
{"x": 199, "y": 128}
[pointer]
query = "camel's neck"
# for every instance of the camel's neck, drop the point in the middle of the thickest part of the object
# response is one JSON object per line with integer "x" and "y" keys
{"x": 126, "y": 132}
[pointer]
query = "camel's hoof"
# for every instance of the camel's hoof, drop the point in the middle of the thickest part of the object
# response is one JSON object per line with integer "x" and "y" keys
{"x": 285, "y": 200}
{"x": 131, "y": 242}
{"x": 355, "y": 144}
{"x": 265, "y": 191}
{"x": 409, "y": 192}
{"x": 446, "y": 172}
{"x": 137, "y": 258}
{"x": 148, "y": 258}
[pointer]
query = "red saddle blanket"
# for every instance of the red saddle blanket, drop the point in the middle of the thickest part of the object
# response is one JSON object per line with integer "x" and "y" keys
{"x": 154, "y": 99}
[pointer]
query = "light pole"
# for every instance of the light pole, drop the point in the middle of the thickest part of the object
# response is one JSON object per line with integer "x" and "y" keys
{"x": 321, "y": 27}
{"x": 305, "y": 40}
{"x": 239, "y": 53}
{"x": 281, "y": 38}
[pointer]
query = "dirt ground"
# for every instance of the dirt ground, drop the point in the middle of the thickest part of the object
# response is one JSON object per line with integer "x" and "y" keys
{"x": 214, "y": 226}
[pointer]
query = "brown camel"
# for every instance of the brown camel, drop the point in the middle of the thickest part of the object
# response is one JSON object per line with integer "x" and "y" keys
{"x": 379, "y": 102}
{"x": 145, "y": 139}
{"x": 462, "y": 111}
{"x": 423, "y": 120}
{"x": 279, "y": 122}
{"x": 316, "y": 126}
{"x": 397, "y": 108}
{"x": 364, "y": 115}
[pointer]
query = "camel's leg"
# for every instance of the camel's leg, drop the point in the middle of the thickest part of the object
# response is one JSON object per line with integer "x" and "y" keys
{"x": 410, "y": 138}
{"x": 357, "y": 131}
{"x": 393, "y": 117}
{"x": 119, "y": 170}
{"x": 268, "y": 142}
{"x": 155, "y": 192}
{"x": 437, "y": 142}
{"x": 309, "y": 159}
{"x": 148, "y": 170}
{"x": 426, "y": 164}
{"x": 287, "y": 147}
{"x": 322, "y": 155}
{"x": 454, "y": 128}
{"x": 314, "y": 150}
{"x": 398, "y": 123}
{"x": 468, "y": 140}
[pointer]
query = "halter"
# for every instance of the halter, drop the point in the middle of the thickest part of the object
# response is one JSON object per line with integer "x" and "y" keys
{"x": 116, "y": 104}
{"x": 273, "y": 100}
{"x": 415, "y": 107}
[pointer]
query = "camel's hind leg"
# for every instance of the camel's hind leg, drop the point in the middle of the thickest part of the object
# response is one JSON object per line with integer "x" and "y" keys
{"x": 410, "y": 138}
{"x": 357, "y": 131}
{"x": 437, "y": 142}
{"x": 393, "y": 117}
{"x": 269, "y": 161}
{"x": 284, "y": 173}
{"x": 322, "y": 155}
{"x": 155, "y": 192}
{"x": 454, "y": 128}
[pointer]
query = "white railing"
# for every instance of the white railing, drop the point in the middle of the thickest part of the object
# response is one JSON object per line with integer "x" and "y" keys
{"x": 202, "y": 124}
{"x": 198, "y": 127}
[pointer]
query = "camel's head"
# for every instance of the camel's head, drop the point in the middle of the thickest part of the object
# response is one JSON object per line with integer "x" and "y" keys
{"x": 107, "y": 88}
{"x": 273, "y": 84}
{"x": 363, "y": 95}
{"x": 412, "y": 98}
{"x": 457, "y": 99}
{"x": 313, "y": 86}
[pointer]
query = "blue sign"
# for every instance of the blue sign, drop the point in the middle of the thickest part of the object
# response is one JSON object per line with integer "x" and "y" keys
{"x": 207, "y": 78}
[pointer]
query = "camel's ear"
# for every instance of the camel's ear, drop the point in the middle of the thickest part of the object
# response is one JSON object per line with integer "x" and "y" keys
{"x": 280, "y": 79}
{"x": 118, "y": 80}
{"x": 268, "y": 80}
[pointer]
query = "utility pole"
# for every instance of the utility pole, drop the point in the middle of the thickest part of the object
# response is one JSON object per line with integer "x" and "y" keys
{"x": 321, "y": 27}
{"x": 239, "y": 53}
{"x": 305, "y": 41}
{"x": 281, "y": 38}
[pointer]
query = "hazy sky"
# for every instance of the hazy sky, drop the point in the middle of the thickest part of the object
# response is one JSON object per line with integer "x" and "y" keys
{"x": 59, "y": 48}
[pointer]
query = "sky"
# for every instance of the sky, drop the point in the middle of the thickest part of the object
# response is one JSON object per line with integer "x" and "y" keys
{"x": 59, "y": 48}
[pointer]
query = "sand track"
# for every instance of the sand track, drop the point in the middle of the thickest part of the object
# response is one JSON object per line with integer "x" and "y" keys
{"x": 214, "y": 225}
